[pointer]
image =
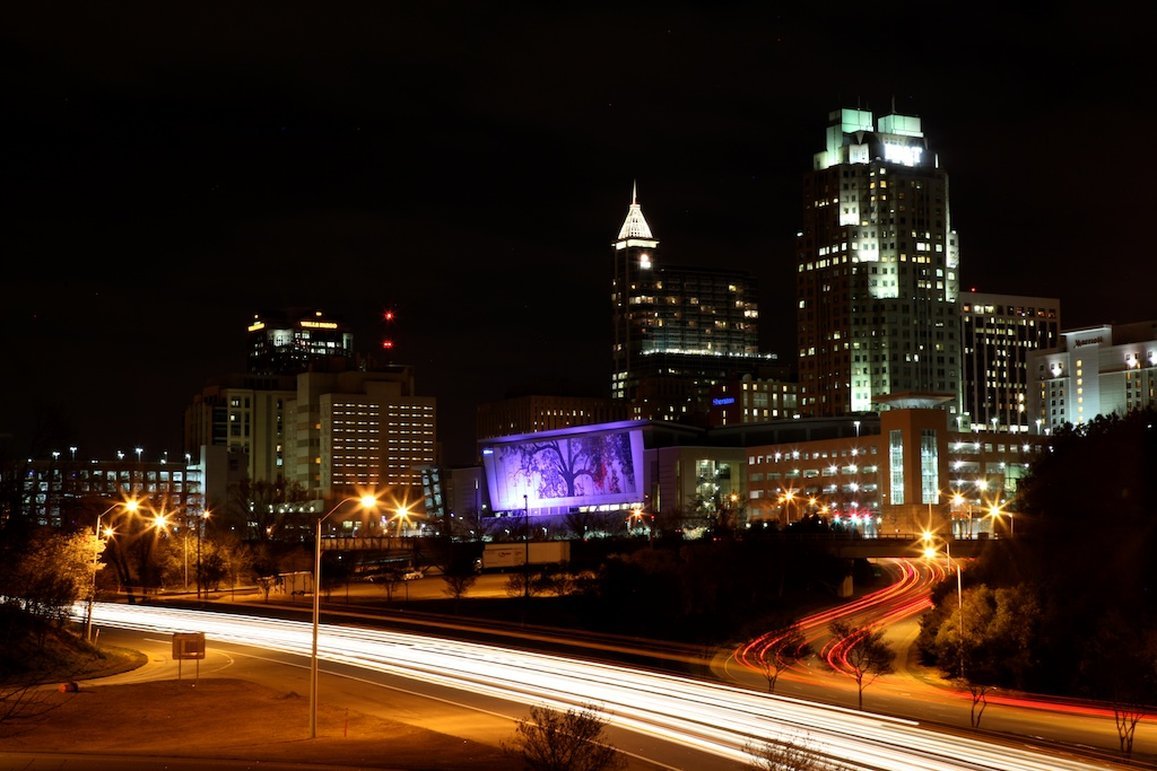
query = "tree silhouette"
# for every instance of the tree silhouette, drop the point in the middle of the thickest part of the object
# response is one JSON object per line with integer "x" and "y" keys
{"x": 780, "y": 649}
{"x": 863, "y": 651}
{"x": 551, "y": 740}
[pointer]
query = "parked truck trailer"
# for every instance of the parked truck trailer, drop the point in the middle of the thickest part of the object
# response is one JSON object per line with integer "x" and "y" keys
{"x": 499, "y": 556}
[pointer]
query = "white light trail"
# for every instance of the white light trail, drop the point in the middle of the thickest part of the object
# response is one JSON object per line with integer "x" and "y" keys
{"x": 715, "y": 718}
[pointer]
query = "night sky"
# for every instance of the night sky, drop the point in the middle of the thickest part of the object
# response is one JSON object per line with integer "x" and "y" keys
{"x": 166, "y": 175}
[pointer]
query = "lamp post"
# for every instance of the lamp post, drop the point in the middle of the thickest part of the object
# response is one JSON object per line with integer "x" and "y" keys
{"x": 366, "y": 502}
{"x": 787, "y": 500}
{"x": 402, "y": 515}
{"x": 526, "y": 542}
{"x": 959, "y": 602}
{"x": 930, "y": 554}
{"x": 130, "y": 506}
{"x": 996, "y": 512}
{"x": 200, "y": 527}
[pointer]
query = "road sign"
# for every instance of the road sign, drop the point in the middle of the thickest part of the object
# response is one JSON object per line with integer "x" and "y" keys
{"x": 188, "y": 645}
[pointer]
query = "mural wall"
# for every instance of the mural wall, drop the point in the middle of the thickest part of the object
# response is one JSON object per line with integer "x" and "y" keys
{"x": 560, "y": 471}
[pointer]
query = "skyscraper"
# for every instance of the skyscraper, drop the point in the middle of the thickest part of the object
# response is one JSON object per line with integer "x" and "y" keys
{"x": 632, "y": 298}
{"x": 999, "y": 333}
{"x": 298, "y": 340}
{"x": 877, "y": 273}
{"x": 677, "y": 330}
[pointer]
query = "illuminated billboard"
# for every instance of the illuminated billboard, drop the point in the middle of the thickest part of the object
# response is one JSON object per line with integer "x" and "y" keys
{"x": 567, "y": 468}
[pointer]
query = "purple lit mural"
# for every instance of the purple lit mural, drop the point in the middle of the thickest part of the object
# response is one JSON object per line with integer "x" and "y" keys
{"x": 576, "y": 469}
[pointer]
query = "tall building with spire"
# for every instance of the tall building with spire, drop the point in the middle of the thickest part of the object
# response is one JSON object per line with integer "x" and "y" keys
{"x": 878, "y": 271}
{"x": 677, "y": 331}
{"x": 632, "y": 298}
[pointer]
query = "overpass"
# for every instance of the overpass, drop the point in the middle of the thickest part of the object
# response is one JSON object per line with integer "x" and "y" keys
{"x": 895, "y": 545}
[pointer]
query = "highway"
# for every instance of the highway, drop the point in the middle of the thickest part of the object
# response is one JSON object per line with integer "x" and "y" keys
{"x": 912, "y": 691}
{"x": 678, "y": 722}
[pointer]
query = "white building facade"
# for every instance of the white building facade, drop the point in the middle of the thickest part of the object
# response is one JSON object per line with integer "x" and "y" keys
{"x": 1095, "y": 371}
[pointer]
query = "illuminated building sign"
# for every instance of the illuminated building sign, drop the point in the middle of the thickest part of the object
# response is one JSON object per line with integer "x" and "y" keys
{"x": 723, "y": 401}
{"x": 908, "y": 155}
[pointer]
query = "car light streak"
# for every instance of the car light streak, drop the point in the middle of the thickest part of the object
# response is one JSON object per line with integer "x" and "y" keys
{"x": 907, "y": 595}
{"x": 714, "y": 718}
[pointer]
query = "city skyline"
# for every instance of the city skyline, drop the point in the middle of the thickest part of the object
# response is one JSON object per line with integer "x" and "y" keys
{"x": 469, "y": 168}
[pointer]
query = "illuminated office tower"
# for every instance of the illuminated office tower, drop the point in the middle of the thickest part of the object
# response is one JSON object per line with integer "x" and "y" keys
{"x": 998, "y": 334}
{"x": 293, "y": 341}
{"x": 877, "y": 273}
{"x": 677, "y": 330}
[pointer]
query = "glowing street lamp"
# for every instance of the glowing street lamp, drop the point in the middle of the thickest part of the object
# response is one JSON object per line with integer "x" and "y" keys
{"x": 637, "y": 519}
{"x": 930, "y": 553}
{"x": 130, "y": 506}
{"x": 996, "y": 512}
{"x": 200, "y": 529}
{"x": 402, "y": 515}
{"x": 366, "y": 502}
{"x": 786, "y": 499}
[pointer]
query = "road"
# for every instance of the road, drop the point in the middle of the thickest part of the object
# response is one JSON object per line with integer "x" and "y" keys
{"x": 671, "y": 721}
{"x": 916, "y": 692}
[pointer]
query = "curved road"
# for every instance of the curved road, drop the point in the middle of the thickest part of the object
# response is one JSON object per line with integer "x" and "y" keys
{"x": 917, "y": 692}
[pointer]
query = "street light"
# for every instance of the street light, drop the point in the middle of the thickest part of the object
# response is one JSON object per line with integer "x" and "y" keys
{"x": 526, "y": 542}
{"x": 402, "y": 515}
{"x": 200, "y": 527}
{"x": 786, "y": 499}
{"x": 959, "y": 602}
{"x": 996, "y": 512}
{"x": 366, "y": 502}
{"x": 958, "y": 502}
{"x": 930, "y": 553}
{"x": 130, "y": 506}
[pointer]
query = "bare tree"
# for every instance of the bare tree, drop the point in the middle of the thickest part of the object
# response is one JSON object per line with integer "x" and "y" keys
{"x": 979, "y": 693}
{"x": 864, "y": 652}
{"x": 784, "y": 648}
{"x": 550, "y": 740}
{"x": 1126, "y": 717}
{"x": 22, "y": 700}
{"x": 788, "y": 754}
{"x": 390, "y": 578}
{"x": 459, "y": 575}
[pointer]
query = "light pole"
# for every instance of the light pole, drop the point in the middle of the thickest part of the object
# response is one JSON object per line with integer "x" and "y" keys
{"x": 930, "y": 555}
{"x": 366, "y": 502}
{"x": 402, "y": 515}
{"x": 996, "y": 512}
{"x": 130, "y": 506}
{"x": 526, "y": 542}
{"x": 959, "y": 602}
{"x": 200, "y": 527}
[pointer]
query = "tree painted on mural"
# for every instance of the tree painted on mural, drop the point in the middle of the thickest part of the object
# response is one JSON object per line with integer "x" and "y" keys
{"x": 574, "y": 467}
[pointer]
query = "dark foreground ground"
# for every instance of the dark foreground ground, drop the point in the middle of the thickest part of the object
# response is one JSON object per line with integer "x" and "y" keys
{"x": 219, "y": 720}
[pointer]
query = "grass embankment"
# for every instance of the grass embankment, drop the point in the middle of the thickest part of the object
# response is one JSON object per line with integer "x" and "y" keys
{"x": 36, "y": 657}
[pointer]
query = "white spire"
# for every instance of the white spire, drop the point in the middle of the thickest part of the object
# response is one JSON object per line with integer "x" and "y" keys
{"x": 634, "y": 226}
